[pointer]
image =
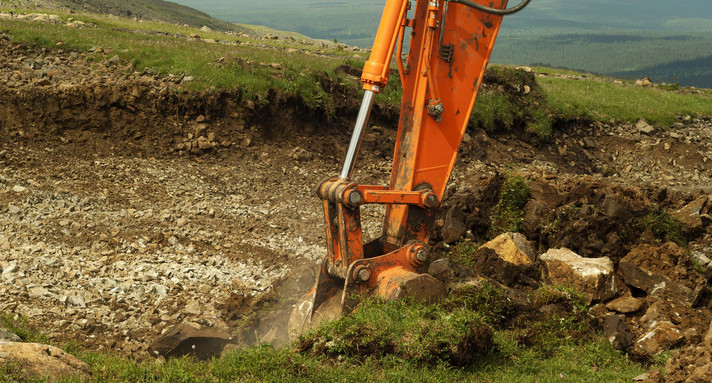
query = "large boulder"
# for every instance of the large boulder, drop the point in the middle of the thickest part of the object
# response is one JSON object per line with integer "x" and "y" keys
{"x": 657, "y": 312}
{"x": 661, "y": 336}
{"x": 508, "y": 258}
{"x": 449, "y": 271}
{"x": 594, "y": 277}
{"x": 690, "y": 215}
{"x": 513, "y": 248}
{"x": 489, "y": 264}
{"x": 617, "y": 332}
{"x": 42, "y": 361}
{"x": 398, "y": 283}
{"x": 454, "y": 226}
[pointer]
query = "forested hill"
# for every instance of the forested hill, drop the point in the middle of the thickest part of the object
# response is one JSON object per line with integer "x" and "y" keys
{"x": 666, "y": 40}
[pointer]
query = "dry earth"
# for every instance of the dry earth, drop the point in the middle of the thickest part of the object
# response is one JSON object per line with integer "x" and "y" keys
{"x": 127, "y": 207}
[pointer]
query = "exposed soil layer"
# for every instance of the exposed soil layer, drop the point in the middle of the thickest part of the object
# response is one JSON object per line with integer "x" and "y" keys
{"x": 128, "y": 205}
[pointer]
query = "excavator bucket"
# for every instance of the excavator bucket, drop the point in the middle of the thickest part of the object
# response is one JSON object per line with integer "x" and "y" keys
{"x": 450, "y": 45}
{"x": 322, "y": 303}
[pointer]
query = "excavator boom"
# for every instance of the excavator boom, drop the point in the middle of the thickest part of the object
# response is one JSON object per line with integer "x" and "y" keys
{"x": 450, "y": 45}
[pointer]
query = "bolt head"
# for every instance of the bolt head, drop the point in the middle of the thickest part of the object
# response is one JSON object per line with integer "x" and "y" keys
{"x": 421, "y": 255}
{"x": 355, "y": 197}
{"x": 431, "y": 200}
{"x": 363, "y": 274}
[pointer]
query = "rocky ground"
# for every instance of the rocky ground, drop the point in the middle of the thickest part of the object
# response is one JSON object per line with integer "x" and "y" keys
{"x": 127, "y": 208}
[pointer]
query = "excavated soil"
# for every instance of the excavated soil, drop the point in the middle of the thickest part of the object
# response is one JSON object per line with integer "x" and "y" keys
{"x": 129, "y": 204}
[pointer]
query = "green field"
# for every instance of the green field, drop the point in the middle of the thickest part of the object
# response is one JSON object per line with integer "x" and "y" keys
{"x": 667, "y": 43}
{"x": 663, "y": 56}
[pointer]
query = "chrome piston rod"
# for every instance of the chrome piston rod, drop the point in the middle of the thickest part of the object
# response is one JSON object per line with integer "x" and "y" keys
{"x": 357, "y": 136}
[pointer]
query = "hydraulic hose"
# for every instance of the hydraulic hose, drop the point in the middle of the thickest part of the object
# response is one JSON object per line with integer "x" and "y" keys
{"x": 494, "y": 11}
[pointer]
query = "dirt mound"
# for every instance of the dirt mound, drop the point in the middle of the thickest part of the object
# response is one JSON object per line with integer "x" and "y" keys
{"x": 691, "y": 365}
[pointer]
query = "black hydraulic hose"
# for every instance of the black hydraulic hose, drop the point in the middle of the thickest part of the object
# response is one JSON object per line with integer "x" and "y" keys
{"x": 494, "y": 11}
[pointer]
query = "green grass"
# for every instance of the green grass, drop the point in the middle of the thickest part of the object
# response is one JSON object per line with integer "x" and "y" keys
{"x": 595, "y": 361}
{"x": 487, "y": 299}
{"x": 664, "y": 227}
{"x": 213, "y": 65}
{"x": 20, "y": 327}
{"x": 591, "y": 362}
{"x": 508, "y": 214}
{"x": 420, "y": 333}
{"x": 548, "y": 294}
{"x": 603, "y": 100}
{"x": 463, "y": 253}
{"x": 494, "y": 112}
{"x": 512, "y": 99}
{"x": 459, "y": 339}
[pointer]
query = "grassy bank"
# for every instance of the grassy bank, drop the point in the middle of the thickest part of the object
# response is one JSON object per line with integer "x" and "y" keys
{"x": 215, "y": 60}
{"x": 602, "y": 99}
{"x": 400, "y": 341}
{"x": 227, "y": 61}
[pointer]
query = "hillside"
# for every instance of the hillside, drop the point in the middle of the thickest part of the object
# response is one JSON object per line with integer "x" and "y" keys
{"x": 155, "y": 178}
{"x": 156, "y": 10}
{"x": 608, "y": 37}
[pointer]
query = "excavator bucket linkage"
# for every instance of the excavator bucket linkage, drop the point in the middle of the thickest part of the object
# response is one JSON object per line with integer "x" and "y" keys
{"x": 450, "y": 45}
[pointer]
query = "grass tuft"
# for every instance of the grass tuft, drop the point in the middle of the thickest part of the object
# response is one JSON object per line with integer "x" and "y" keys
{"x": 508, "y": 214}
{"x": 463, "y": 253}
{"x": 488, "y": 299}
{"x": 664, "y": 227}
{"x": 20, "y": 326}
{"x": 423, "y": 334}
{"x": 512, "y": 99}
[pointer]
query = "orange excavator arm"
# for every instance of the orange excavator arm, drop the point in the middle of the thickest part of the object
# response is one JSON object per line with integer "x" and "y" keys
{"x": 450, "y": 45}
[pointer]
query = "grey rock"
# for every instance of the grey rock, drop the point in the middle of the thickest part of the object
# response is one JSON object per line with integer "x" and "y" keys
{"x": 594, "y": 277}
{"x": 644, "y": 127}
{"x": 448, "y": 271}
{"x": 615, "y": 210}
{"x": 192, "y": 308}
{"x": 617, "y": 332}
{"x": 692, "y": 336}
{"x": 641, "y": 276}
{"x": 654, "y": 314}
{"x": 77, "y": 300}
{"x": 454, "y": 226}
{"x": 9, "y": 268}
{"x": 690, "y": 215}
{"x": 7, "y": 336}
{"x": 420, "y": 287}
